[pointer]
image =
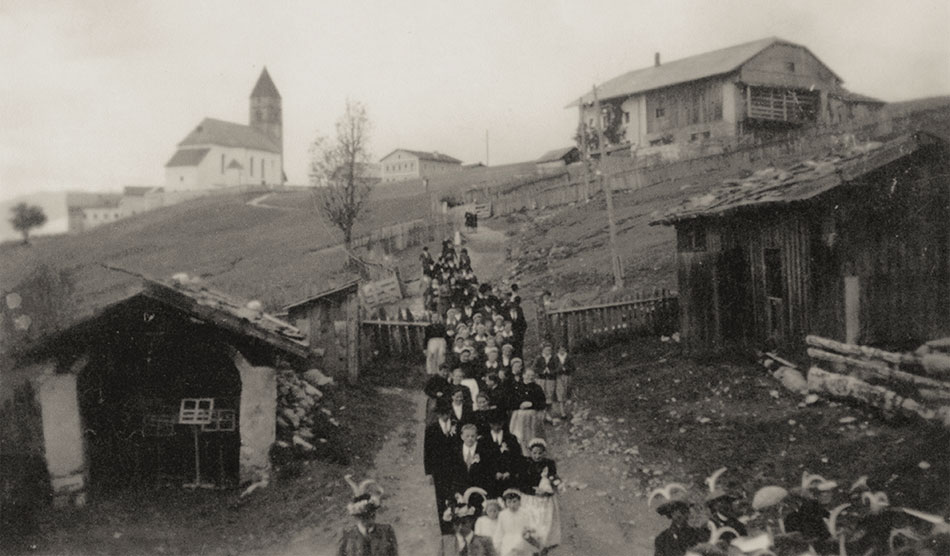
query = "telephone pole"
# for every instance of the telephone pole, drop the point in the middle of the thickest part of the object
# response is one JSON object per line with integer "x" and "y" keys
{"x": 607, "y": 186}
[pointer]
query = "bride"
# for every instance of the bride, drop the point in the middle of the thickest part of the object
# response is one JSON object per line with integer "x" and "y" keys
{"x": 515, "y": 534}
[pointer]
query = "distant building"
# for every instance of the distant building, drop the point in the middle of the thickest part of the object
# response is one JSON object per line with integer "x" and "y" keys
{"x": 138, "y": 199}
{"x": 365, "y": 171}
{"x": 403, "y": 164}
{"x": 552, "y": 161}
{"x": 759, "y": 89}
{"x": 90, "y": 210}
{"x": 217, "y": 153}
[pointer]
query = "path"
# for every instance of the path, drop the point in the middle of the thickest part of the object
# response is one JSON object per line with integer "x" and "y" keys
{"x": 258, "y": 202}
{"x": 409, "y": 503}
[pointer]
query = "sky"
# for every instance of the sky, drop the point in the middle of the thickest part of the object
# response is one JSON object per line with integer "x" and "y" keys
{"x": 96, "y": 94}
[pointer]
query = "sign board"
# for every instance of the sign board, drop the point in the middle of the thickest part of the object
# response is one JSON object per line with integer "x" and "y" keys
{"x": 483, "y": 210}
{"x": 380, "y": 292}
{"x": 195, "y": 411}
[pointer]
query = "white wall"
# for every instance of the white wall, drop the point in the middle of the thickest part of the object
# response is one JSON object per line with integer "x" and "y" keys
{"x": 208, "y": 174}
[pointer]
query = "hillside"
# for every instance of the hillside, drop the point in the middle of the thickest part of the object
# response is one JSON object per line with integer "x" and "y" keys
{"x": 270, "y": 254}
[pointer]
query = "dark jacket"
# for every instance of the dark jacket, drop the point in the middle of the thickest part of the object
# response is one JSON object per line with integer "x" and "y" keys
{"x": 533, "y": 472}
{"x": 506, "y": 458}
{"x": 381, "y": 541}
{"x": 437, "y": 448}
{"x": 675, "y": 542}
{"x": 549, "y": 369}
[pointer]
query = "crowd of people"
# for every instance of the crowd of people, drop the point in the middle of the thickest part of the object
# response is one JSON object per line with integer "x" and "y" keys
{"x": 484, "y": 448}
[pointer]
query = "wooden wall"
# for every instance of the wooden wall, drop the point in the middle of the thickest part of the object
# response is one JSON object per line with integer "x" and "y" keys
{"x": 696, "y": 102}
{"x": 890, "y": 229}
{"x": 332, "y": 324}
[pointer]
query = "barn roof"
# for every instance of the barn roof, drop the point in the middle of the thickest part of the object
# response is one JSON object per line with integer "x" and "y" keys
{"x": 556, "y": 154}
{"x": 700, "y": 66}
{"x": 801, "y": 182}
{"x": 425, "y": 155}
{"x": 198, "y": 301}
{"x": 228, "y": 134}
{"x": 330, "y": 290}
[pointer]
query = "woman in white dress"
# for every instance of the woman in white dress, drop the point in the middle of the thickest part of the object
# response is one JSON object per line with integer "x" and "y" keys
{"x": 515, "y": 534}
{"x": 540, "y": 484}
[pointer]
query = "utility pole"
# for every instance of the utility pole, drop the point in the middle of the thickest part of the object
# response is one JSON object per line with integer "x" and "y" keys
{"x": 585, "y": 156}
{"x": 607, "y": 187}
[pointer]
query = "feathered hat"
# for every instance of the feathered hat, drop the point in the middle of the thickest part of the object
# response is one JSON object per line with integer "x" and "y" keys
{"x": 367, "y": 496}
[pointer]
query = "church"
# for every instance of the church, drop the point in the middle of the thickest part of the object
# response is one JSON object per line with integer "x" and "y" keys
{"x": 218, "y": 154}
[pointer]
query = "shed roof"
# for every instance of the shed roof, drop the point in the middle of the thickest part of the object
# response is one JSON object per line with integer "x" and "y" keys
{"x": 425, "y": 155}
{"x": 208, "y": 305}
{"x": 229, "y": 134}
{"x": 330, "y": 290}
{"x": 187, "y": 157}
{"x": 700, "y": 66}
{"x": 801, "y": 182}
{"x": 556, "y": 154}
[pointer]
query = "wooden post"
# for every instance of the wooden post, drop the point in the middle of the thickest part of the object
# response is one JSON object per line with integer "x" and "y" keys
{"x": 607, "y": 186}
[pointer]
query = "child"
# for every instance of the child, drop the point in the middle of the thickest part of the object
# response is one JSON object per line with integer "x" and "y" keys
{"x": 487, "y": 524}
{"x": 565, "y": 371}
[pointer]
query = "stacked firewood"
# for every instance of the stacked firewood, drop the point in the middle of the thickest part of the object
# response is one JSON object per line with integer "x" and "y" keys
{"x": 302, "y": 421}
{"x": 915, "y": 384}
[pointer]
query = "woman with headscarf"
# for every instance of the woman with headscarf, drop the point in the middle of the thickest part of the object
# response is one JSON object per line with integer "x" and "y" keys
{"x": 527, "y": 416}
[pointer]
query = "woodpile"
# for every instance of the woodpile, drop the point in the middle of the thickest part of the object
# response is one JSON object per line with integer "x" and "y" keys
{"x": 302, "y": 421}
{"x": 911, "y": 384}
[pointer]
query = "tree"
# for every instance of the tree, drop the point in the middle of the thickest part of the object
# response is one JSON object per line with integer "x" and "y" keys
{"x": 25, "y": 218}
{"x": 336, "y": 168}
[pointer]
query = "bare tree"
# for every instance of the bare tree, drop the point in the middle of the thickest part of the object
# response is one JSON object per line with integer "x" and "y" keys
{"x": 337, "y": 169}
{"x": 25, "y": 218}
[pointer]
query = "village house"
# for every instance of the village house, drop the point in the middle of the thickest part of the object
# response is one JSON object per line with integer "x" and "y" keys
{"x": 755, "y": 91}
{"x": 403, "y": 164}
{"x": 218, "y": 153}
{"x": 172, "y": 383}
{"x": 852, "y": 246}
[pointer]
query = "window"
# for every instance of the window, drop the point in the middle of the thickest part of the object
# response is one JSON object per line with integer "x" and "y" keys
{"x": 660, "y": 112}
{"x": 626, "y": 117}
{"x": 790, "y": 67}
{"x": 222, "y": 163}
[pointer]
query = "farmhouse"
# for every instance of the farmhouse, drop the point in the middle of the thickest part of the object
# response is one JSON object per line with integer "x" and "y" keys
{"x": 217, "y": 153}
{"x": 852, "y": 247}
{"x": 174, "y": 383}
{"x": 403, "y": 164}
{"x": 756, "y": 90}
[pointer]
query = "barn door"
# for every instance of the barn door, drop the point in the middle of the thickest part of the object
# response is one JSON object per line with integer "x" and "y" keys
{"x": 852, "y": 309}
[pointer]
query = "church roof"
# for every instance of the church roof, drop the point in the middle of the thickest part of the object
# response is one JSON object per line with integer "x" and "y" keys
{"x": 265, "y": 86}
{"x": 229, "y": 134}
{"x": 187, "y": 157}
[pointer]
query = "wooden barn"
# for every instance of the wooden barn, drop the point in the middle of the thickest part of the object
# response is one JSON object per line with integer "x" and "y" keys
{"x": 330, "y": 320}
{"x": 854, "y": 246}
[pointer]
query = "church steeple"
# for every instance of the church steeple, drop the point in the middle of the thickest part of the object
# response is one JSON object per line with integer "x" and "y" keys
{"x": 266, "y": 115}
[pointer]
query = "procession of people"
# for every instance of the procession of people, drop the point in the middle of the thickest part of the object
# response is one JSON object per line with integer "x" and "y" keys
{"x": 484, "y": 447}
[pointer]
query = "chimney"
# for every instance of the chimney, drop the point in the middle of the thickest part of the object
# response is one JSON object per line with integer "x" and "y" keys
{"x": 656, "y": 59}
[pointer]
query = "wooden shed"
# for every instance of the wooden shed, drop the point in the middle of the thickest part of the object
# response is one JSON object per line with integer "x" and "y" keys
{"x": 853, "y": 246}
{"x": 555, "y": 161}
{"x": 330, "y": 320}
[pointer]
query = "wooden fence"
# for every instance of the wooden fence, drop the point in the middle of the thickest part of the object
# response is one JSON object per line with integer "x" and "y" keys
{"x": 578, "y": 327}
{"x": 385, "y": 339}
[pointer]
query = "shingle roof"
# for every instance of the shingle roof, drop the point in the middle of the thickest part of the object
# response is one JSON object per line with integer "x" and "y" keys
{"x": 801, "y": 182}
{"x": 556, "y": 154}
{"x": 265, "y": 87}
{"x": 708, "y": 64}
{"x": 424, "y": 155}
{"x": 229, "y": 134}
{"x": 187, "y": 157}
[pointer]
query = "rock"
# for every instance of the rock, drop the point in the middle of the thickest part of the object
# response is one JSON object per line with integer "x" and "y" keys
{"x": 290, "y": 416}
{"x": 305, "y": 433}
{"x": 303, "y": 443}
{"x": 811, "y": 398}
{"x": 317, "y": 378}
{"x": 848, "y": 419}
{"x": 791, "y": 379}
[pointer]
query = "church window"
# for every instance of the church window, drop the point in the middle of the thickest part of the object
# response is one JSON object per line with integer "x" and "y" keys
{"x": 222, "y": 163}
{"x": 252, "y": 165}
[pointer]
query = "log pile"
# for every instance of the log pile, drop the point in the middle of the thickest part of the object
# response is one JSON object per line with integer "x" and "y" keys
{"x": 302, "y": 421}
{"x": 911, "y": 384}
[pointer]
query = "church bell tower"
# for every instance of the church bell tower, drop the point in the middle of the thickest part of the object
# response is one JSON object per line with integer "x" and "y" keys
{"x": 266, "y": 115}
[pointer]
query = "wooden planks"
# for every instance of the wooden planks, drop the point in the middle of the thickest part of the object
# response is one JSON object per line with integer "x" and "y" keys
{"x": 642, "y": 315}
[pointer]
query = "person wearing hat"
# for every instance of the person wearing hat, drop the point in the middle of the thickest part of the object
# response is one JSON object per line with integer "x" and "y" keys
{"x": 504, "y": 450}
{"x": 722, "y": 514}
{"x": 439, "y": 443}
{"x": 366, "y": 537}
{"x": 680, "y": 536}
{"x": 491, "y": 364}
{"x": 463, "y": 541}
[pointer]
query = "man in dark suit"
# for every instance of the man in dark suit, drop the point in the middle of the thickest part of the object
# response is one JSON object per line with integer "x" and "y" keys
{"x": 505, "y": 452}
{"x": 439, "y": 444}
{"x": 471, "y": 463}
